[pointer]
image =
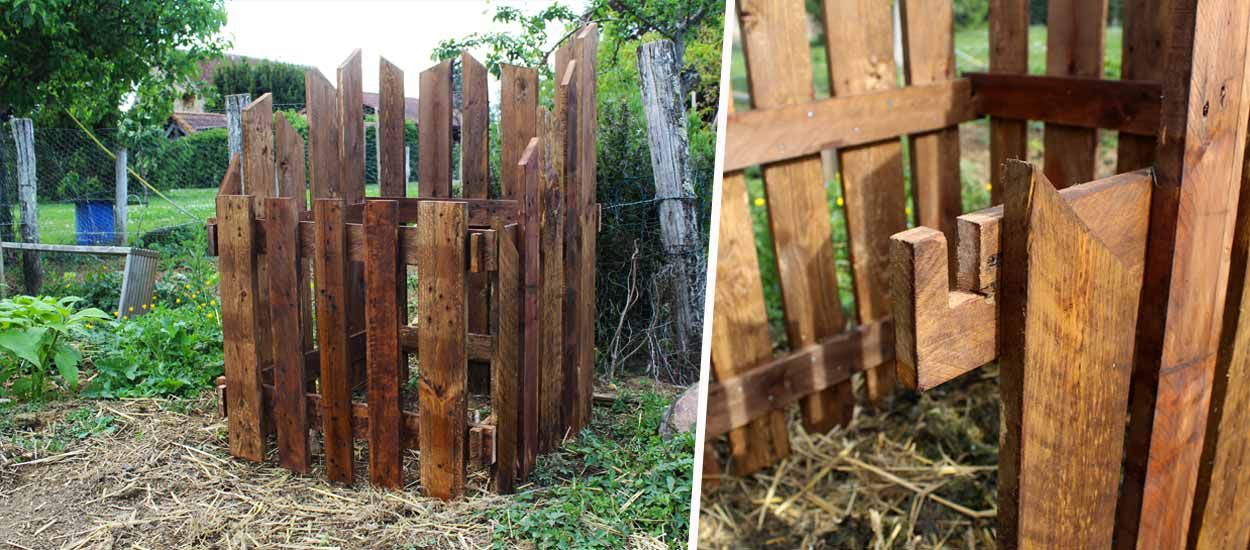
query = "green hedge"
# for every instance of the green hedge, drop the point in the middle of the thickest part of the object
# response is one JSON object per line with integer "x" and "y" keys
{"x": 197, "y": 160}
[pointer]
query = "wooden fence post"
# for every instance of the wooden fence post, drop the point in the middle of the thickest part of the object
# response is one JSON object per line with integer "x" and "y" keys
{"x": 234, "y": 122}
{"x": 24, "y": 137}
{"x": 120, "y": 193}
{"x": 383, "y": 286}
{"x": 475, "y": 179}
{"x": 237, "y": 260}
{"x": 330, "y": 261}
{"x": 506, "y": 380}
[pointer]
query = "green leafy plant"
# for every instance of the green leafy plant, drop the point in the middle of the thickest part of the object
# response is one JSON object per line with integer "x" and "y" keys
{"x": 35, "y": 336}
{"x": 169, "y": 351}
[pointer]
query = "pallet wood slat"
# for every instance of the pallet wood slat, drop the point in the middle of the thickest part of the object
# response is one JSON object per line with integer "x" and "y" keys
{"x": 383, "y": 278}
{"x": 1145, "y": 28}
{"x": 518, "y": 122}
{"x": 392, "y": 153}
{"x": 434, "y": 127}
{"x": 239, "y": 303}
{"x": 586, "y": 91}
{"x": 287, "y": 307}
{"x": 567, "y": 105}
{"x": 528, "y": 169}
{"x": 351, "y": 129}
{"x": 777, "y": 56}
{"x": 323, "y": 136}
{"x": 444, "y": 326}
{"x": 1128, "y": 106}
{"x": 860, "y": 60}
{"x": 332, "y": 329}
{"x": 1074, "y": 47}
{"x": 259, "y": 183}
{"x": 475, "y": 179}
{"x": 1009, "y": 54}
{"x": 556, "y": 388}
{"x": 506, "y": 380}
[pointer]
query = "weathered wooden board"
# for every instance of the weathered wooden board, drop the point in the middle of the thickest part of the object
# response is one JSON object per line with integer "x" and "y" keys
{"x": 434, "y": 129}
{"x": 774, "y": 36}
{"x": 238, "y": 311}
{"x": 1074, "y": 47}
{"x": 1129, "y": 106}
{"x": 287, "y": 310}
{"x": 506, "y": 377}
{"x": 740, "y": 337}
{"x": 518, "y": 122}
{"x": 1069, "y": 310}
{"x": 392, "y": 154}
{"x": 258, "y": 151}
{"x": 293, "y": 182}
{"x": 554, "y": 404}
{"x": 474, "y": 128}
{"x": 383, "y": 284}
{"x": 587, "y": 92}
{"x": 861, "y": 60}
{"x": 1145, "y": 26}
{"x": 529, "y": 168}
{"x": 330, "y": 261}
{"x": 323, "y": 136}
{"x": 352, "y": 129}
{"x": 1009, "y": 54}
{"x": 928, "y": 41}
{"x": 444, "y": 363}
{"x": 577, "y": 379}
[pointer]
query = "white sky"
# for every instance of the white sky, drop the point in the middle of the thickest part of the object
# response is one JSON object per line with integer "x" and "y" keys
{"x": 323, "y": 33}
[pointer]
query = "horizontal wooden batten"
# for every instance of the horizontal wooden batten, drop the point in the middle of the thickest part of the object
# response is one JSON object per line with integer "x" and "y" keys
{"x": 1130, "y": 106}
{"x": 735, "y": 402}
{"x": 769, "y": 135}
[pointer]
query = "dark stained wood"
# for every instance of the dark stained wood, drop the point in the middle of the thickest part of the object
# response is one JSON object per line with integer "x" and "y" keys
{"x": 772, "y": 386}
{"x": 518, "y": 122}
{"x": 391, "y": 153}
{"x": 1009, "y": 54}
{"x": 383, "y": 284}
{"x": 1145, "y": 28}
{"x": 474, "y": 128}
{"x": 774, "y": 39}
{"x": 293, "y": 182}
{"x": 552, "y": 396}
{"x": 506, "y": 382}
{"x": 352, "y": 131}
{"x": 577, "y": 379}
{"x": 330, "y": 261}
{"x": 531, "y": 269}
{"x": 1130, "y": 106}
{"x": 238, "y": 309}
{"x": 286, "y": 306}
{"x": 434, "y": 125}
{"x": 323, "y": 136}
{"x": 1197, "y": 169}
{"x": 587, "y": 150}
{"x": 1074, "y": 47}
{"x": 861, "y": 60}
{"x": 444, "y": 363}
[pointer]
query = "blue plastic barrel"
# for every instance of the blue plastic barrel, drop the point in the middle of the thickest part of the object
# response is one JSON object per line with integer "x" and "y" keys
{"x": 93, "y": 221}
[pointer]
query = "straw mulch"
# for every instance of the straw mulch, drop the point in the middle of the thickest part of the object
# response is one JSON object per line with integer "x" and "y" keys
{"x": 164, "y": 479}
{"x": 919, "y": 472}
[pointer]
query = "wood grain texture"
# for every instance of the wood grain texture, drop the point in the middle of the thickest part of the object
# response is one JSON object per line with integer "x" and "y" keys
{"x": 1009, "y": 54}
{"x": 434, "y": 129}
{"x": 352, "y": 129}
{"x": 286, "y": 309}
{"x": 330, "y": 265}
{"x": 258, "y": 151}
{"x": 1129, "y": 106}
{"x": 1198, "y": 162}
{"x": 529, "y": 169}
{"x": 1075, "y": 357}
{"x": 740, "y": 338}
{"x": 862, "y": 60}
{"x": 506, "y": 380}
{"x": 232, "y": 181}
{"x": 392, "y": 154}
{"x": 779, "y": 133}
{"x": 578, "y": 379}
{"x": 383, "y": 284}
{"x": 774, "y": 41}
{"x": 323, "y": 136}
{"x": 444, "y": 363}
{"x": 289, "y": 162}
{"x": 1145, "y": 27}
{"x": 518, "y": 122}
{"x": 928, "y": 43}
{"x": 1074, "y": 47}
{"x": 239, "y": 303}
{"x": 474, "y": 128}
{"x": 554, "y": 403}
{"x": 587, "y": 150}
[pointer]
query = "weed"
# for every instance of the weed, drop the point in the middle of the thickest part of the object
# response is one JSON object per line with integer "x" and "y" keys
{"x": 35, "y": 337}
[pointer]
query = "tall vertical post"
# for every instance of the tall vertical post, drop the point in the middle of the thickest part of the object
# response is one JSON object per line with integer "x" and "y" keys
{"x": 121, "y": 191}
{"x": 24, "y": 137}
{"x": 234, "y": 122}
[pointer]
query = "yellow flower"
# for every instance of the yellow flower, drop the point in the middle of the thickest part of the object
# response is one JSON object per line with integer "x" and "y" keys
{"x": 759, "y": 201}
{"x": 88, "y": 325}
{"x": 145, "y": 306}
{"x": 125, "y": 317}
{"x": 908, "y": 210}
{"x": 188, "y": 287}
{"x": 989, "y": 186}
{"x": 131, "y": 309}
{"x": 177, "y": 300}
{"x": 211, "y": 316}
{"x": 213, "y": 303}
{"x": 840, "y": 202}
{"x": 116, "y": 313}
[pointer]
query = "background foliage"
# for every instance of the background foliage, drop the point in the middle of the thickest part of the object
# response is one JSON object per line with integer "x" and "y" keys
{"x": 240, "y": 76}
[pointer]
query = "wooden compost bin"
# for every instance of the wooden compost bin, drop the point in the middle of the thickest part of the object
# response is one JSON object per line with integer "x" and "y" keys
{"x": 1113, "y": 306}
{"x": 315, "y": 300}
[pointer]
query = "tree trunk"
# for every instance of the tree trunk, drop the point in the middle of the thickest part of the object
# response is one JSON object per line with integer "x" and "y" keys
{"x": 659, "y": 68}
{"x": 24, "y": 136}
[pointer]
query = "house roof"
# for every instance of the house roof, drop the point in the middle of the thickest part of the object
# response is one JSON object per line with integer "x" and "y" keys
{"x": 373, "y": 100}
{"x": 191, "y": 123}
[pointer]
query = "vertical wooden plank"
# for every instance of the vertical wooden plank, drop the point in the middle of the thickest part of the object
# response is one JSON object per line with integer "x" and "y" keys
{"x": 352, "y": 129}
{"x": 577, "y": 378}
{"x": 1145, "y": 29}
{"x": 27, "y": 198}
{"x": 474, "y": 128}
{"x": 292, "y": 182}
{"x": 1074, "y": 42}
{"x": 861, "y": 60}
{"x": 286, "y": 311}
{"x": 258, "y": 181}
{"x": 531, "y": 270}
{"x": 1063, "y": 285}
{"x": 1193, "y": 208}
{"x": 323, "y": 136}
{"x": 554, "y": 388}
{"x": 774, "y": 39}
{"x": 587, "y": 151}
{"x": 391, "y": 156}
{"x": 740, "y": 337}
{"x": 441, "y": 346}
{"x": 929, "y": 58}
{"x": 382, "y": 284}
{"x": 518, "y": 122}
{"x": 336, "y": 392}
{"x": 1009, "y": 53}
{"x": 506, "y": 383}
{"x": 237, "y": 262}
{"x": 434, "y": 125}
